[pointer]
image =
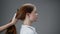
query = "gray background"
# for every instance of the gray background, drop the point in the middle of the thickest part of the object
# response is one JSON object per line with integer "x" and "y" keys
{"x": 48, "y": 10}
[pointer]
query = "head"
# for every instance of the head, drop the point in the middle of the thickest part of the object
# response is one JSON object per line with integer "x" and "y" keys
{"x": 27, "y": 11}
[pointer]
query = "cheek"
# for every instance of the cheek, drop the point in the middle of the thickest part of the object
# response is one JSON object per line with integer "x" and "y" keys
{"x": 33, "y": 17}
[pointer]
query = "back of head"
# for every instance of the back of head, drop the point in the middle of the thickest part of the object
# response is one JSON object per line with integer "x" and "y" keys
{"x": 26, "y": 8}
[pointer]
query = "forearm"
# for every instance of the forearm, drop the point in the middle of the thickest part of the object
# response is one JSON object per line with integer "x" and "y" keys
{"x": 7, "y": 25}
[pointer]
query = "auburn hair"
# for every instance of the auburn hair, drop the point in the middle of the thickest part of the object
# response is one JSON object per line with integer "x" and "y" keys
{"x": 20, "y": 14}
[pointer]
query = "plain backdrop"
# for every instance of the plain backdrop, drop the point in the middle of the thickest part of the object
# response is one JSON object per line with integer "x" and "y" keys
{"x": 48, "y": 21}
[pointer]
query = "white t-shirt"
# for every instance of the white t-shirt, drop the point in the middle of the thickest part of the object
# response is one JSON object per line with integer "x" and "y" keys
{"x": 25, "y": 29}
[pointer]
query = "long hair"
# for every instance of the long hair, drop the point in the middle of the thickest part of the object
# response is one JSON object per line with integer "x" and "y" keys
{"x": 20, "y": 14}
{"x": 11, "y": 29}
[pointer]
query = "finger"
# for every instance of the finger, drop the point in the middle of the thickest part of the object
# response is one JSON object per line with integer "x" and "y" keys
{"x": 14, "y": 16}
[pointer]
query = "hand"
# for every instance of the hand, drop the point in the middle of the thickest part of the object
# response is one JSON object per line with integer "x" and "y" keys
{"x": 14, "y": 20}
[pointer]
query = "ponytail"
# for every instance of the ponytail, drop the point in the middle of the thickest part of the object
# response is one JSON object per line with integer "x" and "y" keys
{"x": 11, "y": 29}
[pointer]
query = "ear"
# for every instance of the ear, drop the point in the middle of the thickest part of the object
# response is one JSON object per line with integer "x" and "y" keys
{"x": 28, "y": 14}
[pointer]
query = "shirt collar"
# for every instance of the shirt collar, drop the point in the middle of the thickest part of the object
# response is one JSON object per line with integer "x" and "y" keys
{"x": 28, "y": 26}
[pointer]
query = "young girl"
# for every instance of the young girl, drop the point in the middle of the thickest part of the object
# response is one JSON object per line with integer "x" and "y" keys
{"x": 28, "y": 14}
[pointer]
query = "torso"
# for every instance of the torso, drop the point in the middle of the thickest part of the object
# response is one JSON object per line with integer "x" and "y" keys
{"x": 28, "y": 28}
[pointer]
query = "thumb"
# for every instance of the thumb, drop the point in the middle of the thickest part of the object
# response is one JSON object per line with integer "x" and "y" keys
{"x": 14, "y": 17}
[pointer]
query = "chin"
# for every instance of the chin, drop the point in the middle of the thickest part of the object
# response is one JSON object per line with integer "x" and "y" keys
{"x": 35, "y": 20}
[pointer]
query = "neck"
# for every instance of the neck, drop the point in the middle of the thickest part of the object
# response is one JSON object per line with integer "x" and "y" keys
{"x": 27, "y": 22}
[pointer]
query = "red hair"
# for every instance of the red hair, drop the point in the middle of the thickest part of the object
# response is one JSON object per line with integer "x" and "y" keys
{"x": 21, "y": 13}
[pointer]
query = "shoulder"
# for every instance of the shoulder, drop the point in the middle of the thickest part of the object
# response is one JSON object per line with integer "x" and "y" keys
{"x": 26, "y": 31}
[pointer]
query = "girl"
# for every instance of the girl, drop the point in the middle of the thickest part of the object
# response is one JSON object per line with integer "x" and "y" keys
{"x": 28, "y": 14}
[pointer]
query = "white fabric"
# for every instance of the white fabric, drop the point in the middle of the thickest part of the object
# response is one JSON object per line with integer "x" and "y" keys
{"x": 25, "y": 29}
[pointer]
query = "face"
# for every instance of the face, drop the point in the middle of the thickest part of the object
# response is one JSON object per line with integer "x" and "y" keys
{"x": 33, "y": 15}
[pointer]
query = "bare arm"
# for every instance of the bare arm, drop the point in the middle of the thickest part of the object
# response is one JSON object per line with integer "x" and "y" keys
{"x": 9, "y": 24}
